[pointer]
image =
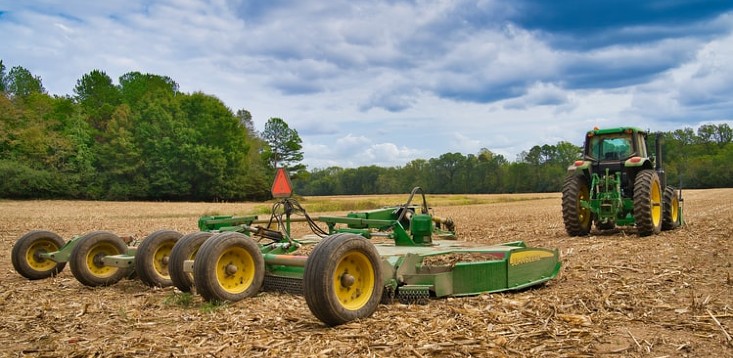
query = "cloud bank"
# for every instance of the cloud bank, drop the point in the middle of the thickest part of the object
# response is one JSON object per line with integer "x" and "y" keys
{"x": 382, "y": 83}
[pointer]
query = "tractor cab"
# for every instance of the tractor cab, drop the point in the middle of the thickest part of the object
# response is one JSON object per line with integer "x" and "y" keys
{"x": 608, "y": 150}
{"x": 615, "y": 145}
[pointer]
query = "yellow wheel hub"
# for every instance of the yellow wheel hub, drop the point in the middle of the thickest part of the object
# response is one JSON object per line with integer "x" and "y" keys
{"x": 583, "y": 212}
{"x": 656, "y": 201}
{"x": 94, "y": 259}
{"x": 675, "y": 209}
{"x": 353, "y": 280}
{"x": 161, "y": 257}
{"x": 235, "y": 270}
{"x": 33, "y": 255}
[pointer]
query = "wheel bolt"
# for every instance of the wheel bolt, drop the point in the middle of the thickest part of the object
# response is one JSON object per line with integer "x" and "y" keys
{"x": 231, "y": 269}
{"x": 347, "y": 280}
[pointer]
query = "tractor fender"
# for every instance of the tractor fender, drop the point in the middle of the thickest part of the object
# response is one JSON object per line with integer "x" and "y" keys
{"x": 637, "y": 162}
{"x": 579, "y": 164}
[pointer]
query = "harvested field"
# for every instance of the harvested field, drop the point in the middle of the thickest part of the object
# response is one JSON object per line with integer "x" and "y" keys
{"x": 617, "y": 294}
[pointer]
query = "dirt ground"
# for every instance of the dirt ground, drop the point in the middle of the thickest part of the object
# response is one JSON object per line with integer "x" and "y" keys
{"x": 669, "y": 295}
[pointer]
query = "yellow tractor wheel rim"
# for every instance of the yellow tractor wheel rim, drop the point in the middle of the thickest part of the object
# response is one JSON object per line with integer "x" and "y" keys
{"x": 235, "y": 270}
{"x": 656, "y": 198}
{"x": 675, "y": 209}
{"x": 161, "y": 257}
{"x": 33, "y": 258}
{"x": 94, "y": 259}
{"x": 583, "y": 212}
{"x": 353, "y": 280}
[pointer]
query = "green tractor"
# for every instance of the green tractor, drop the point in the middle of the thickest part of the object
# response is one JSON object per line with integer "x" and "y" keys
{"x": 619, "y": 183}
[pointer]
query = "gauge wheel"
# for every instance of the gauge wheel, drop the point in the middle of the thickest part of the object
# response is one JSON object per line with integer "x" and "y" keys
{"x": 27, "y": 251}
{"x": 228, "y": 267}
{"x": 185, "y": 249}
{"x": 86, "y": 259}
{"x": 152, "y": 258}
{"x": 343, "y": 279}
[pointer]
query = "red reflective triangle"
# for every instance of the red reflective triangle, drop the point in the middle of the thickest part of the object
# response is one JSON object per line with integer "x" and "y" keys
{"x": 281, "y": 187}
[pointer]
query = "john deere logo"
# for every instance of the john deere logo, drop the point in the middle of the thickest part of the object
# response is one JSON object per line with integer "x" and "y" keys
{"x": 529, "y": 256}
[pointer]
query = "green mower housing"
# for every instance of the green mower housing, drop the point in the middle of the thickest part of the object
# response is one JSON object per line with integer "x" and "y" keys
{"x": 398, "y": 253}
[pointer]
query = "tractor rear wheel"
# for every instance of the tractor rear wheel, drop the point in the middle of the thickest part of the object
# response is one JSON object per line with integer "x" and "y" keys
{"x": 577, "y": 219}
{"x": 185, "y": 249}
{"x": 671, "y": 218}
{"x": 343, "y": 279}
{"x": 86, "y": 259}
{"x": 228, "y": 267}
{"x": 152, "y": 258}
{"x": 26, "y": 255}
{"x": 647, "y": 203}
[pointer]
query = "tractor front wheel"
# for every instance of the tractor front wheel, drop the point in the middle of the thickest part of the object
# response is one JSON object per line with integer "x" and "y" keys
{"x": 185, "y": 249}
{"x": 27, "y": 251}
{"x": 671, "y": 218}
{"x": 343, "y": 280}
{"x": 647, "y": 203}
{"x": 86, "y": 259}
{"x": 228, "y": 267}
{"x": 577, "y": 218}
{"x": 152, "y": 258}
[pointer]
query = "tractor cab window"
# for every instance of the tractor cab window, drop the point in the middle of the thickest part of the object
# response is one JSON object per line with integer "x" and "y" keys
{"x": 610, "y": 147}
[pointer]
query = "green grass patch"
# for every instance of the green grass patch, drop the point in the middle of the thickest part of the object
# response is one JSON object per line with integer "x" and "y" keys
{"x": 344, "y": 205}
{"x": 184, "y": 299}
{"x": 212, "y": 306}
{"x": 187, "y": 300}
{"x": 359, "y": 204}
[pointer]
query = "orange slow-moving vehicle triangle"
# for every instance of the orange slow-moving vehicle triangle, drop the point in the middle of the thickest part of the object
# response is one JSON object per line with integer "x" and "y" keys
{"x": 281, "y": 186}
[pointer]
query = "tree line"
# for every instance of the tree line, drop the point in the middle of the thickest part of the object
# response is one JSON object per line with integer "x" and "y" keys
{"x": 702, "y": 159}
{"x": 143, "y": 139}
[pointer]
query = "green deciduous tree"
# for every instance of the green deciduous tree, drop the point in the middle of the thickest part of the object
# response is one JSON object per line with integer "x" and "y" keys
{"x": 21, "y": 83}
{"x": 98, "y": 97}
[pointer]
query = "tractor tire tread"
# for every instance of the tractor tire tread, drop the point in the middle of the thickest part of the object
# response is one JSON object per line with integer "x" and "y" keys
{"x": 572, "y": 188}
{"x": 671, "y": 199}
{"x": 643, "y": 206}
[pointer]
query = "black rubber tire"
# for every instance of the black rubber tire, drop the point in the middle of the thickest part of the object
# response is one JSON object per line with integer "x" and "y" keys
{"x": 330, "y": 256}
{"x": 25, "y": 255}
{"x": 211, "y": 269}
{"x": 647, "y": 203}
{"x": 86, "y": 255}
{"x": 152, "y": 258}
{"x": 578, "y": 220}
{"x": 185, "y": 249}
{"x": 671, "y": 217}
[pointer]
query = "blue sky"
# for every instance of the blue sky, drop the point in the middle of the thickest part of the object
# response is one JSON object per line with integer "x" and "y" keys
{"x": 386, "y": 82}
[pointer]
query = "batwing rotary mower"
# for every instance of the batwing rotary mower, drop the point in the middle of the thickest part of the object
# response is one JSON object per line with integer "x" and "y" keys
{"x": 618, "y": 183}
{"x": 401, "y": 253}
